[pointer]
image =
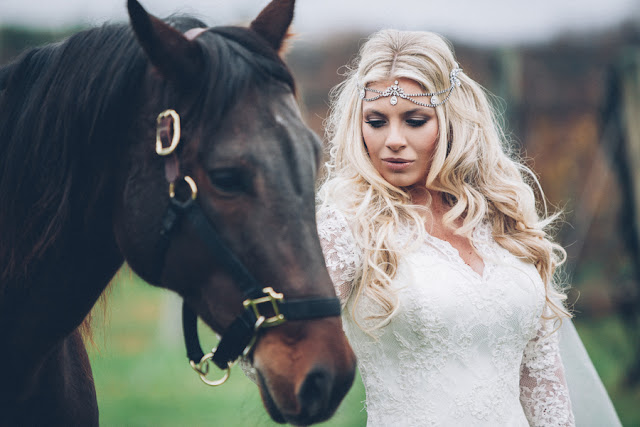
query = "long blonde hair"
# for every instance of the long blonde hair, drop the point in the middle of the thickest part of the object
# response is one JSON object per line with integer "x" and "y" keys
{"x": 472, "y": 166}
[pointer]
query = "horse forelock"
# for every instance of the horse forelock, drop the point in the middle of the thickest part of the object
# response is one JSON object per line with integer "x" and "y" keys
{"x": 235, "y": 60}
{"x": 263, "y": 58}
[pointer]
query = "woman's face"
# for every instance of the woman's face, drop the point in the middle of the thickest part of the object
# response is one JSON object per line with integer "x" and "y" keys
{"x": 400, "y": 138}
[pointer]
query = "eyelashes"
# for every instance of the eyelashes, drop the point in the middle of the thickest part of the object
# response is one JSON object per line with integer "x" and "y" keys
{"x": 375, "y": 123}
{"x": 378, "y": 123}
{"x": 416, "y": 123}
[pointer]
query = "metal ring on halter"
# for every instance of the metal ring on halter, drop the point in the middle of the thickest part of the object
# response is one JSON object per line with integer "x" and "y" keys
{"x": 175, "y": 139}
{"x": 254, "y": 338}
{"x": 192, "y": 186}
{"x": 202, "y": 369}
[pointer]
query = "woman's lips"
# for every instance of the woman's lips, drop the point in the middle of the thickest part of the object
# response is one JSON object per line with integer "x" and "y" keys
{"x": 396, "y": 165}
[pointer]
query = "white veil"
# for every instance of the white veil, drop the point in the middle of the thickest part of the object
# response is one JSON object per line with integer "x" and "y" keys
{"x": 589, "y": 399}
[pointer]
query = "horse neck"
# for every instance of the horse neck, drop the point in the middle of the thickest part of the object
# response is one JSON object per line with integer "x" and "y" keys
{"x": 41, "y": 307}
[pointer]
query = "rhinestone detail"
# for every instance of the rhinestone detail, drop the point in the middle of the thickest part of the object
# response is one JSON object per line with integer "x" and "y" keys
{"x": 395, "y": 91}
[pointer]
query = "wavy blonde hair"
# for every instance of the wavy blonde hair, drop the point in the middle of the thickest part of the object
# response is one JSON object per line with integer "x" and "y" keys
{"x": 472, "y": 167}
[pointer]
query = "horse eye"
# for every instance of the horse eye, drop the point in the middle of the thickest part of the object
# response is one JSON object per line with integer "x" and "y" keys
{"x": 229, "y": 180}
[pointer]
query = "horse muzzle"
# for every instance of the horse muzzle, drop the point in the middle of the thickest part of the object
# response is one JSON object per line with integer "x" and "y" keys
{"x": 304, "y": 370}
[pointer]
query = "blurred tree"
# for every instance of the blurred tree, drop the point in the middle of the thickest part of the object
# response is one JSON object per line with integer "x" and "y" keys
{"x": 621, "y": 113}
{"x": 14, "y": 40}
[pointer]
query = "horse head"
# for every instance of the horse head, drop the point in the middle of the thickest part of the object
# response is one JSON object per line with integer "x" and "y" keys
{"x": 240, "y": 212}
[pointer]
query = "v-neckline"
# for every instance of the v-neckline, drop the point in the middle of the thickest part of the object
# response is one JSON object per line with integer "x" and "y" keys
{"x": 439, "y": 211}
{"x": 452, "y": 252}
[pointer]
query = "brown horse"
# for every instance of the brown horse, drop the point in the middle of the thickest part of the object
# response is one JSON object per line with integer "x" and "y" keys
{"x": 83, "y": 188}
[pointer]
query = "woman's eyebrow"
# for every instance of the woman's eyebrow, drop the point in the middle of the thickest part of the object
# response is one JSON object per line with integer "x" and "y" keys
{"x": 372, "y": 111}
{"x": 416, "y": 110}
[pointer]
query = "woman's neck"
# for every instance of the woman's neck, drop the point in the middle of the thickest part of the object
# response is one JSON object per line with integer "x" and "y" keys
{"x": 435, "y": 204}
{"x": 432, "y": 199}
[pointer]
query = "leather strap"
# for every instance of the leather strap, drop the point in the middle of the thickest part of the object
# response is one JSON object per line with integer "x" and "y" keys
{"x": 190, "y": 332}
{"x": 249, "y": 286}
{"x": 240, "y": 333}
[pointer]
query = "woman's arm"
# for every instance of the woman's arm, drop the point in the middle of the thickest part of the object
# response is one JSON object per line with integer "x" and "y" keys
{"x": 340, "y": 251}
{"x": 543, "y": 390}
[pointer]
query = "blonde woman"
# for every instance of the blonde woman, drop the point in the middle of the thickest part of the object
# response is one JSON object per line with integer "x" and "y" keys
{"x": 432, "y": 235}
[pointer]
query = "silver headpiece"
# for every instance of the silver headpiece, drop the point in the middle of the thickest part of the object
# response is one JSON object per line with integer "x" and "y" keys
{"x": 395, "y": 92}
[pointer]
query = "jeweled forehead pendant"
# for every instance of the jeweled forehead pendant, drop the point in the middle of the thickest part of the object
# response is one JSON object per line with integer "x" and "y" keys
{"x": 395, "y": 91}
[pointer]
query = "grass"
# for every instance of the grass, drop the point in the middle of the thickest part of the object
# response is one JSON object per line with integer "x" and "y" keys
{"x": 143, "y": 377}
{"x": 611, "y": 352}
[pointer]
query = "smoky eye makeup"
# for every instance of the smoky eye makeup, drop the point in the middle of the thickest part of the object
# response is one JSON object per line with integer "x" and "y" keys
{"x": 417, "y": 117}
{"x": 374, "y": 119}
{"x": 416, "y": 121}
{"x": 375, "y": 123}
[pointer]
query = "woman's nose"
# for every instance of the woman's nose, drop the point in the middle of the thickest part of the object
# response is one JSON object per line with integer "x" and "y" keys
{"x": 395, "y": 139}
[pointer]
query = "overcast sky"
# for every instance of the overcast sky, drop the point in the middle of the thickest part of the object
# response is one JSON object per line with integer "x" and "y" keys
{"x": 480, "y": 21}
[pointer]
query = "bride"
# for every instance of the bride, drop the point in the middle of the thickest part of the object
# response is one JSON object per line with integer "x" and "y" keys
{"x": 433, "y": 237}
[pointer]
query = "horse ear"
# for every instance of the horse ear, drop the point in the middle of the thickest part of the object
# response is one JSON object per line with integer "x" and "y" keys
{"x": 273, "y": 22}
{"x": 176, "y": 57}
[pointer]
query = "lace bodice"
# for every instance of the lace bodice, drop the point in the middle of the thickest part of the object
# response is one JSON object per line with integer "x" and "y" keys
{"x": 463, "y": 349}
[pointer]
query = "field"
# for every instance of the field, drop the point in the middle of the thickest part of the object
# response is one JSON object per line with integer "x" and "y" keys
{"x": 143, "y": 377}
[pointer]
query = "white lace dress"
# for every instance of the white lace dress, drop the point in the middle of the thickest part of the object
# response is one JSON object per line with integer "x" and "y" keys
{"x": 463, "y": 349}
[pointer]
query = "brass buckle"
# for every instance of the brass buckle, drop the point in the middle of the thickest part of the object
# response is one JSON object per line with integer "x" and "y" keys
{"x": 202, "y": 369}
{"x": 175, "y": 138}
{"x": 272, "y": 297}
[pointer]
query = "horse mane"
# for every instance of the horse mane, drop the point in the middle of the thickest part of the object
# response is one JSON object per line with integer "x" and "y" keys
{"x": 64, "y": 107}
{"x": 4, "y": 74}
{"x": 55, "y": 106}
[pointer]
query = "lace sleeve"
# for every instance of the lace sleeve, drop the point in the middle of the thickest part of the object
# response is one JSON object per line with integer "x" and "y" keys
{"x": 543, "y": 390}
{"x": 340, "y": 251}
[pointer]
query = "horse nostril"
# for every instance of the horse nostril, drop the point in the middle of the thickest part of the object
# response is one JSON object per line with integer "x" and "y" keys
{"x": 314, "y": 394}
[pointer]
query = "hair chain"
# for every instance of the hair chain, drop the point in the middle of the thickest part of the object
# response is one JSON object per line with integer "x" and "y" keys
{"x": 395, "y": 92}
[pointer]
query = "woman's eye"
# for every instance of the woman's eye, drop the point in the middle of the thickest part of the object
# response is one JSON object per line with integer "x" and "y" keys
{"x": 230, "y": 180}
{"x": 416, "y": 122}
{"x": 375, "y": 123}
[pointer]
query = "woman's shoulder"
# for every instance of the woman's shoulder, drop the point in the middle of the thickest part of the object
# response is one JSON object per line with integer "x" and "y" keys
{"x": 328, "y": 211}
{"x": 332, "y": 220}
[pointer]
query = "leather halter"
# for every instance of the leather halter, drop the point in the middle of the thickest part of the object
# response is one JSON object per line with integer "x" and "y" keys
{"x": 263, "y": 307}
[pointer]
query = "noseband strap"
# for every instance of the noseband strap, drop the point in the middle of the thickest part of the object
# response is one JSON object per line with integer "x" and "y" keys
{"x": 259, "y": 302}
{"x": 263, "y": 307}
